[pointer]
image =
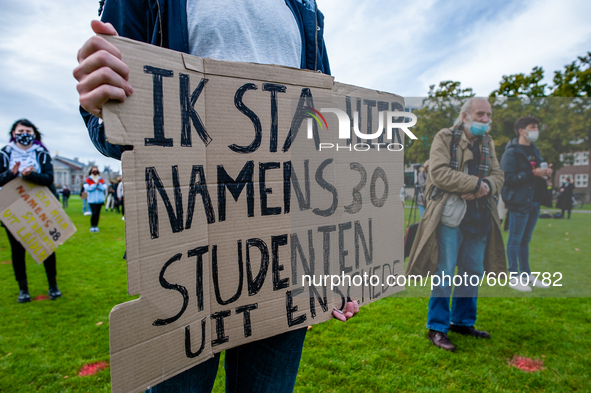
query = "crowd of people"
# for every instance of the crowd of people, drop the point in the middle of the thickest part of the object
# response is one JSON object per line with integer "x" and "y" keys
{"x": 460, "y": 185}
{"x": 96, "y": 192}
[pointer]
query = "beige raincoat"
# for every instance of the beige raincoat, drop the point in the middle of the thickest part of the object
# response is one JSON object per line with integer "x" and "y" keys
{"x": 424, "y": 253}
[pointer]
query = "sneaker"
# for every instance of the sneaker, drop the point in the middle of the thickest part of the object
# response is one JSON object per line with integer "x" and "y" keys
{"x": 538, "y": 282}
{"x": 88, "y": 214}
{"x": 520, "y": 287}
{"x": 123, "y": 218}
{"x": 91, "y": 229}
{"x": 96, "y": 229}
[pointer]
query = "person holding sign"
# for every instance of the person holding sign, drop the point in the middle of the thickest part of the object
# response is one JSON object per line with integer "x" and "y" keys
{"x": 27, "y": 157}
{"x": 95, "y": 186}
{"x": 288, "y": 33}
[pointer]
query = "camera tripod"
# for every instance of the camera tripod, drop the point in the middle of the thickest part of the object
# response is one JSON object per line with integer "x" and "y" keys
{"x": 414, "y": 207}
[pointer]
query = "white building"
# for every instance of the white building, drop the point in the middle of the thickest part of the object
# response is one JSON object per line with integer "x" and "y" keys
{"x": 69, "y": 172}
{"x": 72, "y": 173}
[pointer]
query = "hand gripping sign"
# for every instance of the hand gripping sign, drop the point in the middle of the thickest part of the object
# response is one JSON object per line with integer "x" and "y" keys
{"x": 234, "y": 216}
{"x": 35, "y": 218}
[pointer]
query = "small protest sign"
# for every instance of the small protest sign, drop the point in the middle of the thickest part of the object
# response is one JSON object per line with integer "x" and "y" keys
{"x": 34, "y": 216}
{"x": 255, "y": 204}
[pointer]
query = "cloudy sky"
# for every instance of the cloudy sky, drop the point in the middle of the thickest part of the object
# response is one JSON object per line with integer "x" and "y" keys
{"x": 397, "y": 46}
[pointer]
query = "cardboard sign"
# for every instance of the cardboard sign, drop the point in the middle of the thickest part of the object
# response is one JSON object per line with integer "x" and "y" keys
{"x": 233, "y": 195}
{"x": 35, "y": 217}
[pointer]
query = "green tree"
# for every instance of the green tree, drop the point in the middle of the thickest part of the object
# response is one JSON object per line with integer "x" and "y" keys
{"x": 574, "y": 80}
{"x": 575, "y": 124}
{"x": 565, "y": 118}
{"x": 521, "y": 85}
{"x": 564, "y": 110}
{"x": 512, "y": 100}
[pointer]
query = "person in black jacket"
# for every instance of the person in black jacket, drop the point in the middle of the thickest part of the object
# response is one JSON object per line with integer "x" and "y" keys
{"x": 65, "y": 196}
{"x": 26, "y": 156}
{"x": 524, "y": 192}
{"x": 565, "y": 199}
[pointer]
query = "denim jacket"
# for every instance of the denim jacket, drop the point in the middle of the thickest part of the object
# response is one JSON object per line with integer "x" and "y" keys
{"x": 164, "y": 23}
{"x": 96, "y": 191}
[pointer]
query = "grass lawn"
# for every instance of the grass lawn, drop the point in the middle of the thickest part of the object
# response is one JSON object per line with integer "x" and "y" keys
{"x": 44, "y": 344}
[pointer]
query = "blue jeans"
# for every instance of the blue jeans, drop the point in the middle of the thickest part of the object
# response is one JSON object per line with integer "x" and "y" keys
{"x": 267, "y": 366}
{"x": 421, "y": 210}
{"x": 85, "y": 207}
{"x": 467, "y": 253}
{"x": 521, "y": 228}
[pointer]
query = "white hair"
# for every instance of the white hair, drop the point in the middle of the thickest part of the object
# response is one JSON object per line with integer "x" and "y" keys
{"x": 465, "y": 108}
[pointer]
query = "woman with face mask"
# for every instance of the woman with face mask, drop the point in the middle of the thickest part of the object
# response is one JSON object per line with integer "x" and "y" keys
{"x": 525, "y": 190}
{"x": 95, "y": 186}
{"x": 27, "y": 157}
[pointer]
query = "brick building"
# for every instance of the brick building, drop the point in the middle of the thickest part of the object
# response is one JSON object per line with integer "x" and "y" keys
{"x": 577, "y": 167}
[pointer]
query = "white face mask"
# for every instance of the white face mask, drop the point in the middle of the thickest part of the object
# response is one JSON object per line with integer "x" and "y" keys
{"x": 532, "y": 136}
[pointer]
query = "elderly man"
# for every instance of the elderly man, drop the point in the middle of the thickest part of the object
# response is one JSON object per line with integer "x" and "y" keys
{"x": 460, "y": 226}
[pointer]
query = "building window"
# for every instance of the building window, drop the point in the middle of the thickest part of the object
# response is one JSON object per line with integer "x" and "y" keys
{"x": 564, "y": 177}
{"x": 581, "y": 158}
{"x": 576, "y": 159}
{"x": 581, "y": 181}
{"x": 567, "y": 158}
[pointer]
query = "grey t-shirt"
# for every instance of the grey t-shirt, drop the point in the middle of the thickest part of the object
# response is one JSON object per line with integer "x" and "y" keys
{"x": 255, "y": 31}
